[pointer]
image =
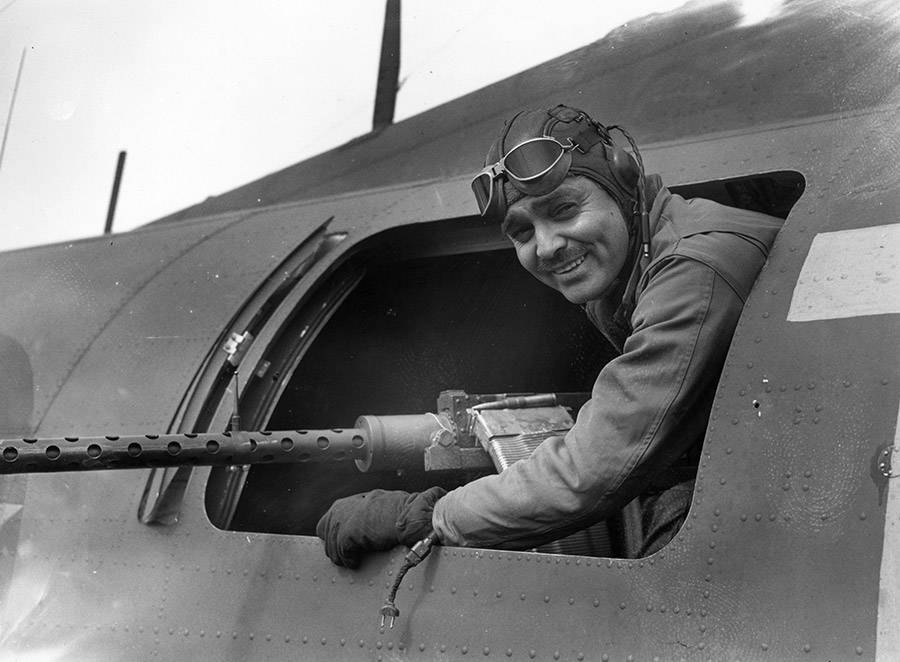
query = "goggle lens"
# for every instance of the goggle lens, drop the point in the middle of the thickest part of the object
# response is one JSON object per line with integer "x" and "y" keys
{"x": 532, "y": 159}
{"x": 524, "y": 163}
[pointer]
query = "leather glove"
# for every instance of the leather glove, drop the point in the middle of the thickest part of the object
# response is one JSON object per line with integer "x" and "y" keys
{"x": 376, "y": 521}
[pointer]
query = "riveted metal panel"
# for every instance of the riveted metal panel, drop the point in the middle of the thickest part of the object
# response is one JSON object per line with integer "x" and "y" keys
{"x": 56, "y": 300}
{"x": 808, "y": 405}
{"x": 136, "y": 371}
{"x": 888, "y": 642}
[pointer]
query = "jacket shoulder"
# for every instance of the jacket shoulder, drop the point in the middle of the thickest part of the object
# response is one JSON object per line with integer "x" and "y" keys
{"x": 734, "y": 242}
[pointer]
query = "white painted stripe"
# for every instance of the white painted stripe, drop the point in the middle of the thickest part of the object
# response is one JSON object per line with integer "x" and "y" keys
{"x": 887, "y": 642}
{"x": 849, "y": 273}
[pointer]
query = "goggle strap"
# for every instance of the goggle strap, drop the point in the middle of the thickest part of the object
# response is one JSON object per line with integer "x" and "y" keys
{"x": 585, "y": 140}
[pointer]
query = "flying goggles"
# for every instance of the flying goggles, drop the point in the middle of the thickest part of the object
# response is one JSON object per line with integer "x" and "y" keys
{"x": 535, "y": 167}
{"x": 538, "y": 165}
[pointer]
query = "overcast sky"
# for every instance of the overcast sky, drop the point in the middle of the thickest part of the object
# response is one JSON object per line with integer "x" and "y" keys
{"x": 206, "y": 95}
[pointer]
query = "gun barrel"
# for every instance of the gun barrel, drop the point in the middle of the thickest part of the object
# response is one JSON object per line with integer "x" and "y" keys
{"x": 202, "y": 449}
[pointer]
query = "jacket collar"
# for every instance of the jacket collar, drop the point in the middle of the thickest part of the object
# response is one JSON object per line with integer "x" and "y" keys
{"x": 612, "y": 312}
{"x": 660, "y": 196}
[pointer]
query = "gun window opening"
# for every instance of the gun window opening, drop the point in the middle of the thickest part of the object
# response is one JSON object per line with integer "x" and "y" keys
{"x": 442, "y": 305}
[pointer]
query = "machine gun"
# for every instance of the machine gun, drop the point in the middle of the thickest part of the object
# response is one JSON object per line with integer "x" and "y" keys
{"x": 467, "y": 432}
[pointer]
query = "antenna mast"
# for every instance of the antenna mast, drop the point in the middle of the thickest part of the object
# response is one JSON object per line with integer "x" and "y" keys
{"x": 12, "y": 104}
{"x": 388, "y": 68}
{"x": 114, "y": 196}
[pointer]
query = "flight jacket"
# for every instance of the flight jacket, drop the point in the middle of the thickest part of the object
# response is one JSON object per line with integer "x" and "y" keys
{"x": 650, "y": 404}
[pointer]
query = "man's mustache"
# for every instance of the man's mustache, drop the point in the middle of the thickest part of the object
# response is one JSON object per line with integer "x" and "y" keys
{"x": 559, "y": 259}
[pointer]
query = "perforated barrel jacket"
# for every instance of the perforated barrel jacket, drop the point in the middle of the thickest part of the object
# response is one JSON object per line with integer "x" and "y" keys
{"x": 650, "y": 404}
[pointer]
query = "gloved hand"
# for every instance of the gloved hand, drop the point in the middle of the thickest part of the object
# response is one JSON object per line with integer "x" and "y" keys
{"x": 376, "y": 521}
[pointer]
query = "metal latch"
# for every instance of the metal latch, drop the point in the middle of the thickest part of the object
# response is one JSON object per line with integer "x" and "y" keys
{"x": 236, "y": 347}
{"x": 884, "y": 462}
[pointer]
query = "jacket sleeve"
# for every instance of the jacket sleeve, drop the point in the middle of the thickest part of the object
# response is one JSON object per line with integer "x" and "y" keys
{"x": 647, "y": 406}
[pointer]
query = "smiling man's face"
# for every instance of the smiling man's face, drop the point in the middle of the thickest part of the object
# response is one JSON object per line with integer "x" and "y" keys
{"x": 573, "y": 239}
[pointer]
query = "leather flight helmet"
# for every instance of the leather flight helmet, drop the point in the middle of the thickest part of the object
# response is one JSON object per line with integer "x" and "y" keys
{"x": 595, "y": 156}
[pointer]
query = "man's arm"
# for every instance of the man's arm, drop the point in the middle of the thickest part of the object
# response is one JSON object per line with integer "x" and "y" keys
{"x": 648, "y": 405}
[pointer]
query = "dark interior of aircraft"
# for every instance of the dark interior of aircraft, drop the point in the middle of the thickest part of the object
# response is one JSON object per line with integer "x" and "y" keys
{"x": 418, "y": 310}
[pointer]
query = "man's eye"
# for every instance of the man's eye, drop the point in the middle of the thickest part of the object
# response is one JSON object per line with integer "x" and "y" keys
{"x": 520, "y": 234}
{"x": 564, "y": 209}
